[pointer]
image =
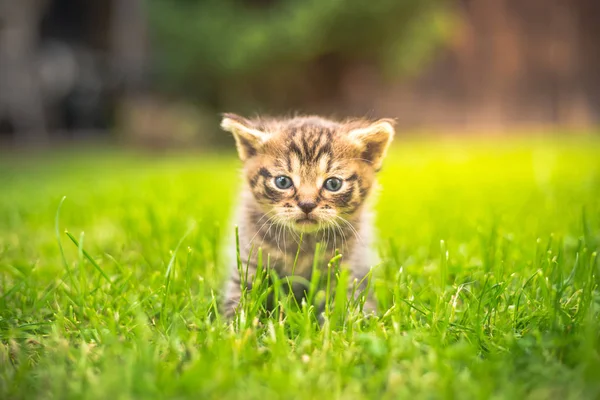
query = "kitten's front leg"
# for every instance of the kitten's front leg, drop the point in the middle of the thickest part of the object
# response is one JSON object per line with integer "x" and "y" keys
{"x": 233, "y": 289}
{"x": 233, "y": 295}
{"x": 358, "y": 286}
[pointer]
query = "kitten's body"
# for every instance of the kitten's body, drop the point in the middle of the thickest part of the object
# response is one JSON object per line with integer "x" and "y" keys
{"x": 308, "y": 151}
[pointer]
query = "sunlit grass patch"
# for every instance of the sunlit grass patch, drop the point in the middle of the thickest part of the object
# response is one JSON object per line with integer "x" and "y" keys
{"x": 489, "y": 286}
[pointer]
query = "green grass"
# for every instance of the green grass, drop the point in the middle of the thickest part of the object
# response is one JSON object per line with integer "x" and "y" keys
{"x": 489, "y": 287}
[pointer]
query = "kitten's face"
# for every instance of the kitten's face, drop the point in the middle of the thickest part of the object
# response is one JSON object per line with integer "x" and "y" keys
{"x": 309, "y": 173}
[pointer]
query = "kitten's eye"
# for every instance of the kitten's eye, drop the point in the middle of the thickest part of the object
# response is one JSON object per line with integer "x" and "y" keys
{"x": 333, "y": 184}
{"x": 283, "y": 182}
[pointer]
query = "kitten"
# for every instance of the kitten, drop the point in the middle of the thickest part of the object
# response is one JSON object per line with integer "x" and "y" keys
{"x": 311, "y": 176}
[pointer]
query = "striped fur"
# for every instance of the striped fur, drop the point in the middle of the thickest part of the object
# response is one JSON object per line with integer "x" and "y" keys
{"x": 308, "y": 150}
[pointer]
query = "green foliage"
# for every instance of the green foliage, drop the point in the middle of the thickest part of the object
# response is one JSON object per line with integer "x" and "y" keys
{"x": 489, "y": 287}
{"x": 203, "y": 43}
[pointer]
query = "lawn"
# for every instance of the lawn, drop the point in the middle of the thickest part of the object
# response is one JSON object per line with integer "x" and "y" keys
{"x": 488, "y": 289}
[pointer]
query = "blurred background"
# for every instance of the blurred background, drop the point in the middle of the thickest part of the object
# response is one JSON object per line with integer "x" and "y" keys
{"x": 157, "y": 73}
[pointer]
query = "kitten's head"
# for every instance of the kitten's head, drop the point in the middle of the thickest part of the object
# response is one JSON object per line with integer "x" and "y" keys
{"x": 308, "y": 172}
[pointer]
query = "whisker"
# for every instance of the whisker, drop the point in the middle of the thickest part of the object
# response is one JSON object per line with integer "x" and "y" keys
{"x": 277, "y": 233}
{"x": 334, "y": 235}
{"x": 339, "y": 228}
{"x": 268, "y": 232}
{"x": 284, "y": 230}
{"x": 262, "y": 226}
{"x": 352, "y": 228}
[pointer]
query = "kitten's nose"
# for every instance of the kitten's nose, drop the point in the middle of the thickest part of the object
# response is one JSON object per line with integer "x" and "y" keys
{"x": 307, "y": 206}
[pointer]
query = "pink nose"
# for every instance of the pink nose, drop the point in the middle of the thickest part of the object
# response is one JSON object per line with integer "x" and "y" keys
{"x": 307, "y": 206}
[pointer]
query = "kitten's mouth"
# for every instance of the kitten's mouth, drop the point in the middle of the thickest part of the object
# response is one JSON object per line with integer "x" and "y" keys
{"x": 306, "y": 224}
{"x": 306, "y": 221}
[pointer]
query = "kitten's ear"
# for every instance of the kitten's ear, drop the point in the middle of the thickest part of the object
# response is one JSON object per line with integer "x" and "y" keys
{"x": 248, "y": 139}
{"x": 374, "y": 140}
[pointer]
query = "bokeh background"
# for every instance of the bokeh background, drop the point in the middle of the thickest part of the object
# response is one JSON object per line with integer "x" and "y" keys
{"x": 157, "y": 73}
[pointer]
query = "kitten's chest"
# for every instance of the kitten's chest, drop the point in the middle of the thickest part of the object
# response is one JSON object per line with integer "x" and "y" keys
{"x": 301, "y": 257}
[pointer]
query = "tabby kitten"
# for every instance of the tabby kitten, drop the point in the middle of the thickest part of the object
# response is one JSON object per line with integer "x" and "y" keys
{"x": 311, "y": 176}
